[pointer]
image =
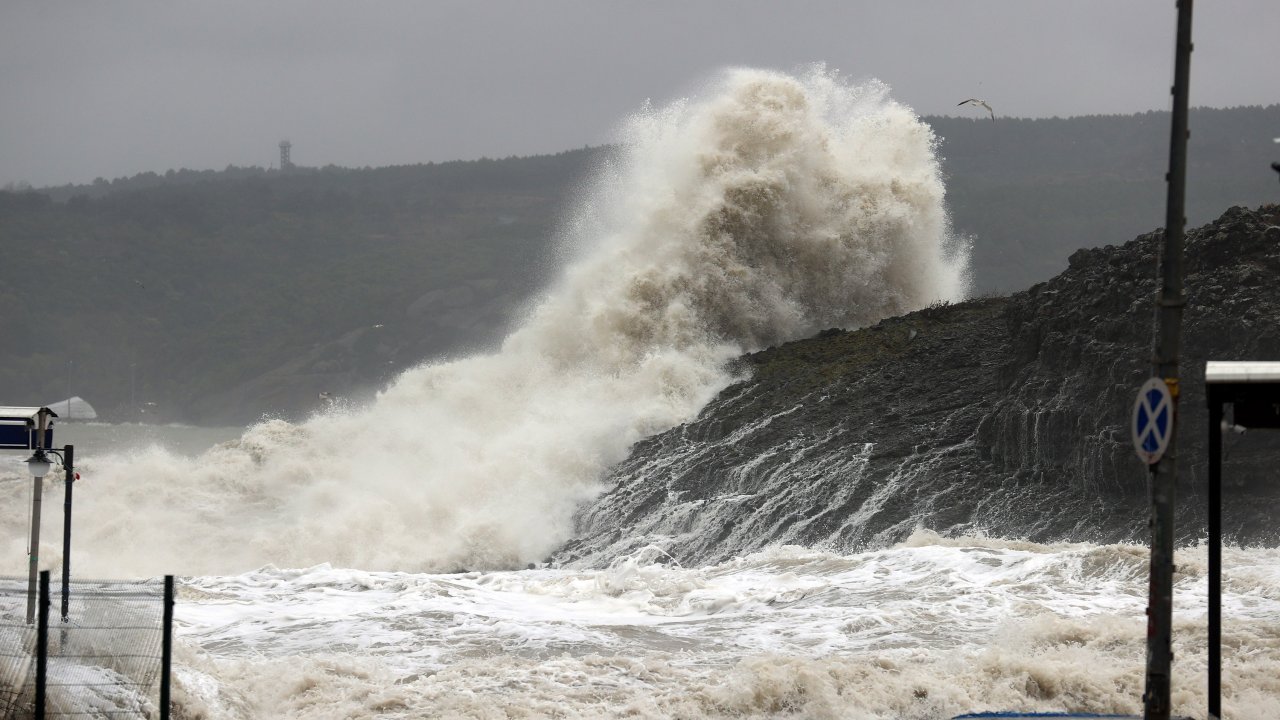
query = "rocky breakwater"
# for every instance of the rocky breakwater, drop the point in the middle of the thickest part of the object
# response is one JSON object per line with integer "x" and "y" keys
{"x": 1002, "y": 415}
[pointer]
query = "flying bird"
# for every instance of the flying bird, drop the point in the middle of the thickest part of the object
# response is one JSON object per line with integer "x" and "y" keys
{"x": 982, "y": 103}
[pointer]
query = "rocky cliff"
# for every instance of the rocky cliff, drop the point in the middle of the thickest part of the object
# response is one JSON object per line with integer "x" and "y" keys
{"x": 999, "y": 415}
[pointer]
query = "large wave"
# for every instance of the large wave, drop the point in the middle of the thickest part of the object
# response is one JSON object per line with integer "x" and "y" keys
{"x": 766, "y": 208}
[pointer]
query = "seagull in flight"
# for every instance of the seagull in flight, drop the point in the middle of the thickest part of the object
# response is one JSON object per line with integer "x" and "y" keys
{"x": 982, "y": 103}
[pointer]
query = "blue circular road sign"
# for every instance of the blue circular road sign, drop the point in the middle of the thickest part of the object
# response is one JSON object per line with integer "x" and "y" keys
{"x": 1152, "y": 422}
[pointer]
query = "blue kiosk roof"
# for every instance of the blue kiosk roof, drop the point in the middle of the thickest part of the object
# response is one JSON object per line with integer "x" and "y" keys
{"x": 18, "y": 427}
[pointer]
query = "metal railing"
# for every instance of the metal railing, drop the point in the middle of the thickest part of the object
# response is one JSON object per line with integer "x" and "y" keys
{"x": 109, "y": 659}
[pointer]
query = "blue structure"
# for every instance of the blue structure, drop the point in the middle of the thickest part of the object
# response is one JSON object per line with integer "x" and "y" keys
{"x": 19, "y": 428}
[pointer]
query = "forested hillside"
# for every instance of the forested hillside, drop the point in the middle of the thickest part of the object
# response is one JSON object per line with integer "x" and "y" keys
{"x": 1030, "y": 192}
{"x": 215, "y": 297}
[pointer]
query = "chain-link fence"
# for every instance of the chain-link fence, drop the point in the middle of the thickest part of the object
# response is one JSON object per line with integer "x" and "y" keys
{"x": 102, "y": 660}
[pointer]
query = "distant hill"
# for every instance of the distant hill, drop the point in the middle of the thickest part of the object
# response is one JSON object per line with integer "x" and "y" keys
{"x": 218, "y": 296}
{"x": 1032, "y": 191}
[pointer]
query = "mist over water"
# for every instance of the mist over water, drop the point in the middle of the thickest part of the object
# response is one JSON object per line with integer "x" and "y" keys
{"x": 763, "y": 210}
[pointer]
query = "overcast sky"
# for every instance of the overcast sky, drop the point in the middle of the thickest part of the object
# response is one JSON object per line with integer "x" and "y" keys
{"x": 107, "y": 89}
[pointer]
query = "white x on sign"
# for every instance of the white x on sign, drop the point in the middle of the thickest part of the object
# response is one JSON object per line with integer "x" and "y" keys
{"x": 1152, "y": 422}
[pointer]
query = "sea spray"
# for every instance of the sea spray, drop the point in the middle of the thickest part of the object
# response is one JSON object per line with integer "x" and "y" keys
{"x": 762, "y": 210}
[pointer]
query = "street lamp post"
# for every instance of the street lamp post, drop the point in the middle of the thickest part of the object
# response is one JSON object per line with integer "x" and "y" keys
{"x": 38, "y": 466}
{"x": 34, "y": 464}
{"x": 31, "y": 428}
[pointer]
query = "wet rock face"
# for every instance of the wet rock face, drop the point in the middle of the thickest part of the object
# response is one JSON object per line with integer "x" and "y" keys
{"x": 1082, "y": 344}
{"x": 1004, "y": 415}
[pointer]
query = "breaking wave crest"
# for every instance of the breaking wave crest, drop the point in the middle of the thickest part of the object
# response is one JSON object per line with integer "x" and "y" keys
{"x": 764, "y": 209}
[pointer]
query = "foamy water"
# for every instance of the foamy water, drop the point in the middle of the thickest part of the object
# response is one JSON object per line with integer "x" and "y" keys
{"x": 929, "y": 629}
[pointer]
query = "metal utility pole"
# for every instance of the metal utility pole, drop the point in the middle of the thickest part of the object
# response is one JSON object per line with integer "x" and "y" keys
{"x": 1164, "y": 473}
{"x": 68, "y": 462}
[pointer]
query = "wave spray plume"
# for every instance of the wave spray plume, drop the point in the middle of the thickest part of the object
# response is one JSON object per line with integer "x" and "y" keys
{"x": 766, "y": 209}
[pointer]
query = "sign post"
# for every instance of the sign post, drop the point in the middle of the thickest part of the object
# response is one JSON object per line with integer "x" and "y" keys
{"x": 1169, "y": 305}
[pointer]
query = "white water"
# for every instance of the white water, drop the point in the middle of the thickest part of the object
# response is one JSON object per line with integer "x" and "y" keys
{"x": 927, "y": 630}
{"x": 767, "y": 209}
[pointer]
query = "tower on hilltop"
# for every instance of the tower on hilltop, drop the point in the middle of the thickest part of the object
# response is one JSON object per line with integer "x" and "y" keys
{"x": 285, "y": 162}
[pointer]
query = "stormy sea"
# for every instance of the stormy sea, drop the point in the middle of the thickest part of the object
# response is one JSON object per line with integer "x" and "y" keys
{"x": 465, "y": 547}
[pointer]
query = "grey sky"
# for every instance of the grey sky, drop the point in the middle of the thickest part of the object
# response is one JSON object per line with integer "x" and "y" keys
{"x": 115, "y": 88}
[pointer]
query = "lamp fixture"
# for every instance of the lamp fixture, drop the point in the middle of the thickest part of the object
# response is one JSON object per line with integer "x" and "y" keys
{"x": 38, "y": 464}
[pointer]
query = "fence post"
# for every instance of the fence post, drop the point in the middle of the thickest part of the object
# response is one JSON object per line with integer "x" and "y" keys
{"x": 42, "y": 644}
{"x": 166, "y": 654}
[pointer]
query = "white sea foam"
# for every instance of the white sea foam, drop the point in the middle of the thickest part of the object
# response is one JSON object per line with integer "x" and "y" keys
{"x": 923, "y": 630}
{"x": 763, "y": 210}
